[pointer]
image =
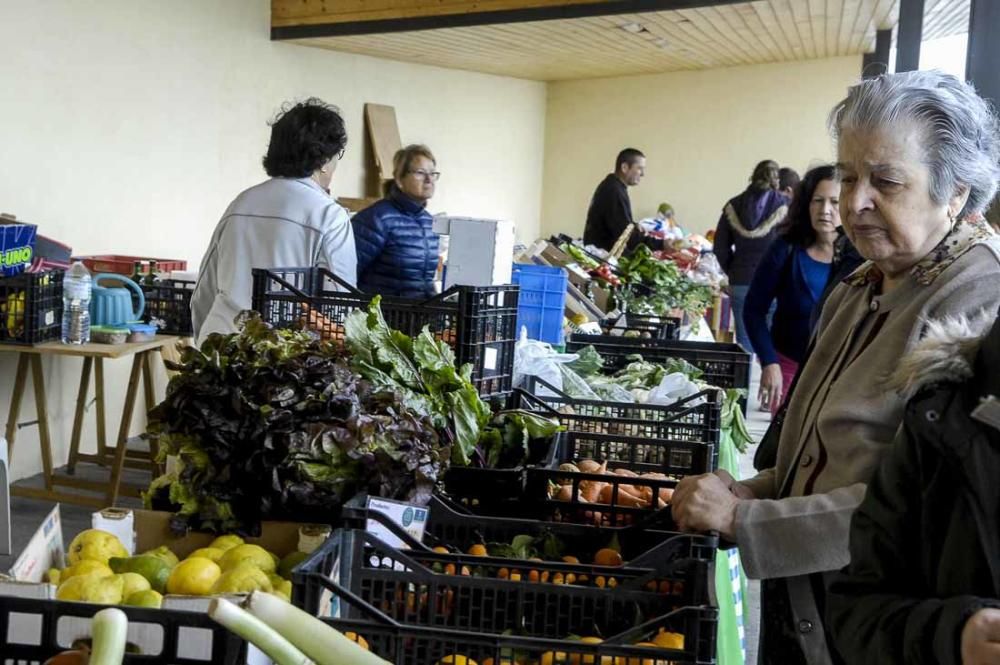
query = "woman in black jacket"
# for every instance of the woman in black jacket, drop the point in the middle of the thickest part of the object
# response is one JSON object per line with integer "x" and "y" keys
{"x": 923, "y": 585}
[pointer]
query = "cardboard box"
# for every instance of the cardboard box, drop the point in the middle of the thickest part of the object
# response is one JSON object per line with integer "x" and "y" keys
{"x": 152, "y": 529}
{"x": 479, "y": 250}
{"x": 556, "y": 256}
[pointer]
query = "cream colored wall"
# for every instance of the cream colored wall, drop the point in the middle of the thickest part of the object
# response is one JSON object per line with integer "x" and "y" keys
{"x": 702, "y": 132}
{"x": 128, "y": 127}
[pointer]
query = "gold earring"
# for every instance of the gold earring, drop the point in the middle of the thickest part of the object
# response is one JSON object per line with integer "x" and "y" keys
{"x": 322, "y": 170}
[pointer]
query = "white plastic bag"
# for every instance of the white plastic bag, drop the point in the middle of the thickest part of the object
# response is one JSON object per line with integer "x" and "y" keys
{"x": 673, "y": 387}
{"x": 534, "y": 358}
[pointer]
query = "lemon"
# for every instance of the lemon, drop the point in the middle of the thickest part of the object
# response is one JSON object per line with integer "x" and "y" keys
{"x": 667, "y": 640}
{"x": 212, "y": 553}
{"x": 148, "y": 598}
{"x": 226, "y": 542}
{"x": 154, "y": 569}
{"x": 92, "y": 589}
{"x": 283, "y": 590}
{"x": 289, "y": 562}
{"x": 94, "y": 545}
{"x": 85, "y": 567}
{"x": 254, "y": 554}
{"x": 193, "y": 577}
{"x": 134, "y": 583}
{"x": 163, "y": 553}
{"x": 243, "y": 578}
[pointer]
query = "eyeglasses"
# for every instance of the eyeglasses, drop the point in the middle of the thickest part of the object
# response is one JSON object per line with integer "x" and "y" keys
{"x": 427, "y": 175}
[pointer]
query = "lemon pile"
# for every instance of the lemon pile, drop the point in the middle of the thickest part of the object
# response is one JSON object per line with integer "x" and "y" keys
{"x": 100, "y": 571}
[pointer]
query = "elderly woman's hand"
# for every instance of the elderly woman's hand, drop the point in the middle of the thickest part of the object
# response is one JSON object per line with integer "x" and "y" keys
{"x": 705, "y": 503}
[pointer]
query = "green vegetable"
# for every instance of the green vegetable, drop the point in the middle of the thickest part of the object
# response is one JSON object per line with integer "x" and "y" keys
{"x": 733, "y": 421}
{"x": 422, "y": 371}
{"x": 320, "y": 642}
{"x": 507, "y": 442}
{"x": 588, "y": 363}
{"x": 654, "y": 286}
{"x": 109, "y": 630}
{"x": 274, "y": 424}
{"x": 255, "y": 631}
{"x": 584, "y": 260}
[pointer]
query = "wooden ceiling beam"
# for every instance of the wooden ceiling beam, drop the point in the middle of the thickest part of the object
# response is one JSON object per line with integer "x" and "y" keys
{"x": 304, "y": 19}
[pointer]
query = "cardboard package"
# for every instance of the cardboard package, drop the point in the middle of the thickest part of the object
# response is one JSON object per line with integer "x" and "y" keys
{"x": 152, "y": 528}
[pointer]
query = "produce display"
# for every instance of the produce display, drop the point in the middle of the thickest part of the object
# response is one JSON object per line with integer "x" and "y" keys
{"x": 292, "y": 423}
{"x": 657, "y": 286}
{"x": 269, "y": 424}
{"x": 100, "y": 571}
{"x": 585, "y": 378}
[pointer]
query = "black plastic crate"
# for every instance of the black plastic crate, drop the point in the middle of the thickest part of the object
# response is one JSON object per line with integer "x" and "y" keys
{"x": 644, "y": 326}
{"x": 31, "y": 307}
{"x": 641, "y": 546}
{"x": 697, "y": 418}
{"x": 478, "y": 322}
{"x": 489, "y": 485}
{"x": 676, "y": 566}
{"x": 30, "y": 633}
{"x": 724, "y": 365}
{"x": 168, "y": 305}
{"x": 394, "y": 583}
{"x": 559, "y": 495}
{"x": 421, "y": 645}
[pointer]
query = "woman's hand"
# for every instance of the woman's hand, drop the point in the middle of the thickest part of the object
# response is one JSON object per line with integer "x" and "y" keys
{"x": 741, "y": 491}
{"x": 705, "y": 503}
{"x": 981, "y": 638}
{"x": 770, "y": 386}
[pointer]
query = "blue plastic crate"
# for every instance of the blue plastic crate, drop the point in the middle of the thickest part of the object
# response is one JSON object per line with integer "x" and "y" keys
{"x": 542, "y": 302}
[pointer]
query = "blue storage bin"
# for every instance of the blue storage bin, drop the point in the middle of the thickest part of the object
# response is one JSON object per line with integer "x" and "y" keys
{"x": 542, "y": 301}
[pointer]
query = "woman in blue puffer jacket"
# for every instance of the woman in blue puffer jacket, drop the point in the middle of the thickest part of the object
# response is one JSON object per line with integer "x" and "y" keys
{"x": 396, "y": 244}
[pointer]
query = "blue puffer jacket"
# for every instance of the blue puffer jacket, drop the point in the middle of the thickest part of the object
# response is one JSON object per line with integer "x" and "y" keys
{"x": 397, "y": 248}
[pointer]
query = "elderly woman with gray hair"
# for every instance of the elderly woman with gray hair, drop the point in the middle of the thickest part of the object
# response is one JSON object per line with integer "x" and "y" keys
{"x": 919, "y": 160}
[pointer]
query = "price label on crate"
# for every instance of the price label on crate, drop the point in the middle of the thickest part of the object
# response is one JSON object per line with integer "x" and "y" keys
{"x": 413, "y": 520}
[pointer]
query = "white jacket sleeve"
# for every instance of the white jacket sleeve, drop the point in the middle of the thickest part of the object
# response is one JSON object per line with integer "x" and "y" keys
{"x": 337, "y": 252}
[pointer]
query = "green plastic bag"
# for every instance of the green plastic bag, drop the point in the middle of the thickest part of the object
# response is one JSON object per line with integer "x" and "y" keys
{"x": 730, "y": 583}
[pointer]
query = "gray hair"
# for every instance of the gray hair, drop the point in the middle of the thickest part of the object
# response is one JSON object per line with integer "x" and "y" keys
{"x": 962, "y": 132}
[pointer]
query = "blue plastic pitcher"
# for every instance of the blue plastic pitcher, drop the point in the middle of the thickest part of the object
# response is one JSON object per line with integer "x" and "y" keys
{"x": 112, "y": 306}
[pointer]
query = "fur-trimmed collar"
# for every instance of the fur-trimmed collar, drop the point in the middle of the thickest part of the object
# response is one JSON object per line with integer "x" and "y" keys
{"x": 945, "y": 354}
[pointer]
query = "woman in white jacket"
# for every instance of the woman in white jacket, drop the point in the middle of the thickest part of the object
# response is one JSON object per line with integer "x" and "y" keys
{"x": 288, "y": 221}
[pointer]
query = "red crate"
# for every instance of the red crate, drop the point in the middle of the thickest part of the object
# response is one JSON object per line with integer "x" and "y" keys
{"x": 125, "y": 265}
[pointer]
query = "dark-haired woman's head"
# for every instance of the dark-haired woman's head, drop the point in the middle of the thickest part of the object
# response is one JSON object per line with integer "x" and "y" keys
{"x": 765, "y": 175}
{"x": 305, "y": 139}
{"x": 815, "y": 208}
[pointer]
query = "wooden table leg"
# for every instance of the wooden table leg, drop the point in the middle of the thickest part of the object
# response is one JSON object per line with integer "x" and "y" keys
{"x": 123, "y": 429}
{"x": 15, "y": 401}
{"x": 102, "y": 432}
{"x": 81, "y": 408}
{"x": 149, "y": 393}
{"x": 42, "y": 409}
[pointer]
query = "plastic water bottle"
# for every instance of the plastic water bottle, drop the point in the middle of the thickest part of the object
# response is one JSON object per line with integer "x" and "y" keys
{"x": 76, "y": 305}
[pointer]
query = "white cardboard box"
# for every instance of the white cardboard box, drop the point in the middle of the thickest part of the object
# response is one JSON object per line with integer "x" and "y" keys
{"x": 480, "y": 251}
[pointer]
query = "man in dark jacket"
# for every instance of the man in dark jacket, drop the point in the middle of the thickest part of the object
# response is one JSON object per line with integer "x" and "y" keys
{"x": 923, "y": 585}
{"x": 610, "y": 211}
{"x": 745, "y": 231}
